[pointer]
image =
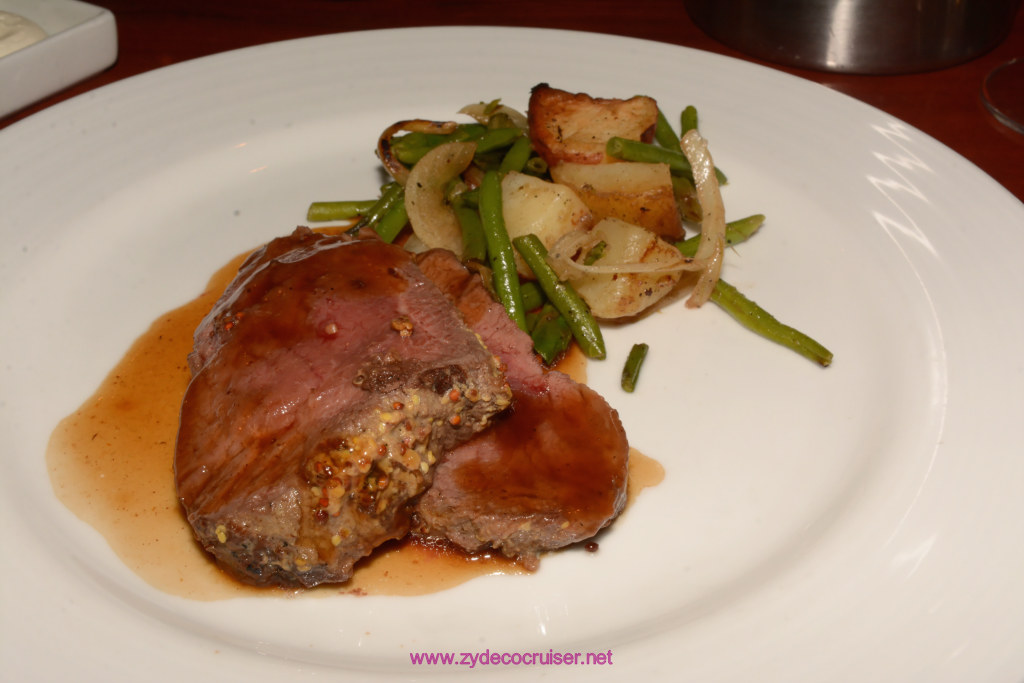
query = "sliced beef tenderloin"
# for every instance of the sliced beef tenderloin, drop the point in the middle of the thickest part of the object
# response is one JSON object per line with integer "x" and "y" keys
{"x": 327, "y": 381}
{"x": 550, "y": 472}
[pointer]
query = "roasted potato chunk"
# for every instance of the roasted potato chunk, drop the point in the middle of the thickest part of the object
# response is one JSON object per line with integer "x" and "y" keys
{"x": 574, "y": 127}
{"x": 637, "y": 193}
{"x": 625, "y": 294}
{"x": 547, "y": 210}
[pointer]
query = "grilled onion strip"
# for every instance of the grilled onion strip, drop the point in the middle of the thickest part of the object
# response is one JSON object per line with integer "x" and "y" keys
{"x": 431, "y": 216}
{"x": 398, "y": 170}
{"x": 712, "y": 225}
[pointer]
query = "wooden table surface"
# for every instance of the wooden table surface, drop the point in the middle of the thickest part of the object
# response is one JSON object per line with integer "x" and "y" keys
{"x": 945, "y": 104}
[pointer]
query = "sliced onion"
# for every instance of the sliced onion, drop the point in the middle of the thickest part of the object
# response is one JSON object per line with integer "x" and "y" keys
{"x": 712, "y": 227}
{"x": 396, "y": 168}
{"x": 482, "y": 112}
{"x": 430, "y": 215}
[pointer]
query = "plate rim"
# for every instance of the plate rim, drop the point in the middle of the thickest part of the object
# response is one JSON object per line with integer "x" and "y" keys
{"x": 106, "y": 91}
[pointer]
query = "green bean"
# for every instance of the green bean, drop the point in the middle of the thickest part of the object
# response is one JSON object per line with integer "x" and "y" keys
{"x": 735, "y": 232}
{"x": 533, "y": 295}
{"x": 536, "y": 166}
{"x": 470, "y": 197}
{"x": 688, "y": 119}
{"x": 411, "y": 147}
{"x": 468, "y": 131}
{"x": 499, "y": 249}
{"x": 663, "y": 133}
{"x": 391, "y": 194}
{"x": 496, "y": 138}
{"x": 474, "y": 244}
{"x": 634, "y": 150}
{"x": 755, "y": 318}
{"x": 546, "y": 311}
{"x": 531, "y": 320}
{"x": 551, "y": 334}
{"x": 517, "y": 156}
{"x": 319, "y": 212}
{"x": 595, "y": 253}
{"x": 563, "y": 296}
{"x": 742, "y": 229}
{"x": 748, "y": 313}
{"x": 631, "y": 370}
{"x": 393, "y": 221}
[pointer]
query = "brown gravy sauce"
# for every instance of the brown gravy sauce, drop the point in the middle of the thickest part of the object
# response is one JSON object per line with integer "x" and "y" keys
{"x": 111, "y": 463}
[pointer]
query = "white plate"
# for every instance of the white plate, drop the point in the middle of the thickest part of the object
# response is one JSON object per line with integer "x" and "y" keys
{"x": 81, "y": 40}
{"x": 863, "y": 522}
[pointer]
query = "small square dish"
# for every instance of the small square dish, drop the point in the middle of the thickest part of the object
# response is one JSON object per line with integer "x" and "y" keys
{"x": 81, "y": 40}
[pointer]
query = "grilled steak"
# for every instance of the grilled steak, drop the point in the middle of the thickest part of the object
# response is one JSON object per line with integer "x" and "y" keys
{"x": 327, "y": 381}
{"x": 550, "y": 472}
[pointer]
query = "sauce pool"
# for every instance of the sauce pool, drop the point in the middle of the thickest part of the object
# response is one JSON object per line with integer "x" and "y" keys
{"x": 111, "y": 463}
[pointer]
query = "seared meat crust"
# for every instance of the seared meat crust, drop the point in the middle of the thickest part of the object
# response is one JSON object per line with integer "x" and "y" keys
{"x": 550, "y": 472}
{"x": 327, "y": 382}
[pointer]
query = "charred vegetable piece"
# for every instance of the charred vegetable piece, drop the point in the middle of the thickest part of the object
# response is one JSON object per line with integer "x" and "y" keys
{"x": 635, "y": 269}
{"x": 638, "y": 193}
{"x": 574, "y": 127}
{"x": 532, "y": 205}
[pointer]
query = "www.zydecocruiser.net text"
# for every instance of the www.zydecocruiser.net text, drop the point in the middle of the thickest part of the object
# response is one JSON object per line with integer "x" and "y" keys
{"x": 472, "y": 660}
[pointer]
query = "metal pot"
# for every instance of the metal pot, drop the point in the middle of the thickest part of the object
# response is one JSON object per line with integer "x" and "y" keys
{"x": 858, "y": 36}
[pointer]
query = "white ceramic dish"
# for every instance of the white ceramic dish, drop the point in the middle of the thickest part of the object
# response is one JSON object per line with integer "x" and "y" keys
{"x": 861, "y": 522}
{"x": 81, "y": 41}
